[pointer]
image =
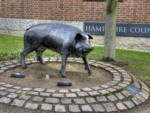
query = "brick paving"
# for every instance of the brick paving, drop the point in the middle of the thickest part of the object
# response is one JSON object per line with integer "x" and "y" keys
{"x": 109, "y": 97}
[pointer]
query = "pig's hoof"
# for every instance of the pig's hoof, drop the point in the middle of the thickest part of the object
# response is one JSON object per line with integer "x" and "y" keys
{"x": 24, "y": 67}
{"x": 42, "y": 62}
{"x": 86, "y": 68}
{"x": 63, "y": 76}
{"x": 89, "y": 72}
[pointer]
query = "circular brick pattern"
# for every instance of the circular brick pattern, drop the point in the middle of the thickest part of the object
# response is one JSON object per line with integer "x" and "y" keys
{"x": 122, "y": 93}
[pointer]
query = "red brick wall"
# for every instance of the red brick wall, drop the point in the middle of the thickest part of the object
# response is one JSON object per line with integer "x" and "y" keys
{"x": 130, "y": 11}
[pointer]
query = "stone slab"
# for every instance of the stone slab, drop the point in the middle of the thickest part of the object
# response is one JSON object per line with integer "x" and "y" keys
{"x": 46, "y": 107}
{"x": 79, "y": 101}
{"x": 110, "y": 107}
{"x": 60, "y": 109}
{"x": 31, "y": 106}
{"x": 98, "y": 108}
{"x": 74, "y": 109}
{"x": 18, "y": 102}
{"x": 52, "y": 100}
{"x": 86, "y": 109}
{"x": 5, "y": 100}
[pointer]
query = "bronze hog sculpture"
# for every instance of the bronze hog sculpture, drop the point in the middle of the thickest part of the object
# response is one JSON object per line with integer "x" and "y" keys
{"x": 63, "y": 39}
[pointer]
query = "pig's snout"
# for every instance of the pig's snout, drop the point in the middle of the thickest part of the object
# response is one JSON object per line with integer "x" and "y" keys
{"x": 88, "y": 49}
{"x": 92, "y": 48}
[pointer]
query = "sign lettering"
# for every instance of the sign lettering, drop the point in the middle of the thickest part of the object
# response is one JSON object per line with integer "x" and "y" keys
{"x": 128, "y": 30}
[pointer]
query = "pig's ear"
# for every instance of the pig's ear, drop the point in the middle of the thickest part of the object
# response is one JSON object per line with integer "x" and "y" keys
{"x": 90, "y": 37}
{"x": 79, "y": 37}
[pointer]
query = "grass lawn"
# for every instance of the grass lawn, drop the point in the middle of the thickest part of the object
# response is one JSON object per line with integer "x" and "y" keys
{"x": 10, "y": 47}
{"x": 138, "y": 63}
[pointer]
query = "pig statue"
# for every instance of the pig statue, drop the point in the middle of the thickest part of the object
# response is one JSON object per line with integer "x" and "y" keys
{"x": 63, "y": 39}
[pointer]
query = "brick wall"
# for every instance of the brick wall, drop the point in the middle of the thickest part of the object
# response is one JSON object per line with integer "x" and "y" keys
{"x": 130, "y": 11}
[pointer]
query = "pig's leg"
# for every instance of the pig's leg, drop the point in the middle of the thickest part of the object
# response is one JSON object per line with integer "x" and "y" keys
{"x": 87, "y": 67}
{"x": 63, "y": 65}
{"x": 64, "y": 55}
{"x": 23, "y": 54}
{"x": 39, "y": 52}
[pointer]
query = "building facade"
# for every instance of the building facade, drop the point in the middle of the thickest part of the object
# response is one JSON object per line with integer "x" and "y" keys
{"x": 17, "y": 15}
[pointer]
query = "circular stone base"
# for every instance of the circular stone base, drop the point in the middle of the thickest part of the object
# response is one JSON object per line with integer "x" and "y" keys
{"x": 64, "y": 84}
{"x": 122, "y": 93}
{"x": 47, "y": 76}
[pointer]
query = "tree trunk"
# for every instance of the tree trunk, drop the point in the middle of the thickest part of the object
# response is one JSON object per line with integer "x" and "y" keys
{"x": 110, "y": 30}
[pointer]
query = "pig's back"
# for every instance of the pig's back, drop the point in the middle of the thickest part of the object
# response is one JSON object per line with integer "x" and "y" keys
{"x": 58, "y": 30}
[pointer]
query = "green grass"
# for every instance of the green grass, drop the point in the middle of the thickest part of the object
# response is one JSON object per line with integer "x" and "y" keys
{"x": 10, "y": 47}
{"x": 138, "y": 62}
{"x": 10, "y": 43}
